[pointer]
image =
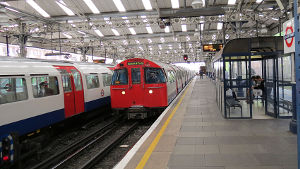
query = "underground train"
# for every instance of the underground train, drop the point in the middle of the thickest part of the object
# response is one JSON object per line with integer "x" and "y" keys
{"x": 143, "y": 88}
{"x": 35, "y": 94}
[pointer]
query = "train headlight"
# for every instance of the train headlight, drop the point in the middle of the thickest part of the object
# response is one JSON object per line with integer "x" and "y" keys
{"x": 123, "y": 92}
{"x": 150, "y": 91}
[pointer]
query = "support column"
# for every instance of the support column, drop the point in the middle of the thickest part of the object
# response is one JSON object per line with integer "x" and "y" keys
{"x": 22, "y": 40}
{"x": 7, "y": 45}
{"x": 297, "y": 71}
{"x": 84, "y": 51}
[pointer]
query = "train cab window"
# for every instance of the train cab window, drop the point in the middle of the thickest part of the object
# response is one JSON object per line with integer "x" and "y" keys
{"x": 77, "y": 79}
{"x": 44, "y": 86}
{"x": 154, "y": 75}
{"x": 135, "y": 75}
{"x": 12, "y": 90}
{"x": 106, "y": 79}
{"x": 120, "y": 77}
{"x": 92, "y": 81}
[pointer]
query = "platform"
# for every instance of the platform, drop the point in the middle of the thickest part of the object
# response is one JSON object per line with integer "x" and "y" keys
{"x": 198, "y": 137}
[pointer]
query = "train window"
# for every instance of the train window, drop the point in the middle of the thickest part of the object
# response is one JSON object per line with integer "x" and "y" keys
{"x": 66, "y": 83}
{"x": 12, "y": 90}
{"x": 171, "y": 76}
{"x": 106, "y": 79}
{"x": 92, "y": 81}
{"x": 44, "y": 86}
{"x": 120, "y": 77}
{"x": 135, "y": 75}
{"x": 77, "y": 79}
{"x": 154, "y": 75}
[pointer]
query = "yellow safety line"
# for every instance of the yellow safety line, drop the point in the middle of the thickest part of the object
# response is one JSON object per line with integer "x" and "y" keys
{"x": 149, "y": 151}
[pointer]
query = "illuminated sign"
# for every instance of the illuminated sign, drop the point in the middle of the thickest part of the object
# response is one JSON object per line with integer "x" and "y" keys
{"x": 212, "y": 47}
{"x": 135, "y": 63}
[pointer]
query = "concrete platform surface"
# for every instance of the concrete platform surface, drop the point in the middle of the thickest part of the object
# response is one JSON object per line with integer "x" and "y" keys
{"x": 198, "y": 137}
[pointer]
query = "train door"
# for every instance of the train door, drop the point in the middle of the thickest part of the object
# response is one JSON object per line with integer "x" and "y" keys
{"x": 136, "y": 86}
{"x": 73, "y": 92}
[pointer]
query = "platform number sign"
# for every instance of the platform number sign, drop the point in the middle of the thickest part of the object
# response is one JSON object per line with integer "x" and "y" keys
{"x": 289, "y": 36}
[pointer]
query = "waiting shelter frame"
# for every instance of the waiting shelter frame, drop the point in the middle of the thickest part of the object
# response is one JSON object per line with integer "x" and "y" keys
{"x": 240, "y": 52}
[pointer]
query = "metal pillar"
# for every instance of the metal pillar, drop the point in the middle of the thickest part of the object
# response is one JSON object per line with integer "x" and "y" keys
{"x": 7, "y": 45}
{"x": 22, "y": 39}
{"x": 297, "y": 71}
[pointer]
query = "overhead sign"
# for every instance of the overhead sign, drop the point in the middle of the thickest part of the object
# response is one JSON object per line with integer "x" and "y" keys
{"x": 135, "y": 63}
{"x": 212, "y": 47}
{"x": 289, "y": 36}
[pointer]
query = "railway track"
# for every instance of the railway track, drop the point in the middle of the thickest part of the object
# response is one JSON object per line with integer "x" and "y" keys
{"x": 104, "y": 140}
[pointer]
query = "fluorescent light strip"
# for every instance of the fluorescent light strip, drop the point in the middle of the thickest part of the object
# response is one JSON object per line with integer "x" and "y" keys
{"x": 202, "y": 27}
{"x": 231, "y": 2}
{"x": 81, "y": 32}
{"x": 132, "y": 31}
{"x": 147, "y": 4}
{"x": 175, "y": 3}
{"x": 143, "y": 16}
{"x": 119, "y": 5}
{"x": 137, "y": 41}
{"x": 149, "y": 30}
{"x": 4, "y": 3}
{"x": 162, "y": 40}
{"x": 167, "y": 29}
{"x": 68, "y": 36}
{"x": 98, "y": 32}
{"x": 12, "y": 9}
{"x": 92, "y": 6}
{"x": 259, "y": 1}
{"x": 115, "y": 32}
{"x": 64, "y": 7}
{"x": 219, "y": 26}
{"x": 183, "y": 27}
{"x": 38, "y": 8}
{"x": 149, "y": 40}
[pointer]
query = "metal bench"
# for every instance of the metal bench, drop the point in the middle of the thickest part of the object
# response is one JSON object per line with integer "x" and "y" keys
{"x": 231, "y": 102}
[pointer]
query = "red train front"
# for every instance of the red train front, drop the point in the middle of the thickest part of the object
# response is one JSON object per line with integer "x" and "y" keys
{"x": 139, "y": 88}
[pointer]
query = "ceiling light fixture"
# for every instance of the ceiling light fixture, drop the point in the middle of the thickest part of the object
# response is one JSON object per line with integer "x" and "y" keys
{"x": 220, "y": 26}
{"x": 81, "y": 32}
{"x": 202, "y": 27}
{"x": 149, "y": 40}
{"x": 147, "y": 4}
{"x": 119, "y": 5}
{"x": 167, "y": 29}
{"x": 231, "y": 2}
{"x": 149, "y": 30}
{"x": 137, "y": 41}
{"x": 98, "y": 32}
{"x": 4, "y": 3}
{"x": 38, "y": 8}
{"x": 196, "y": 4}
{"x": 132, "y": 31}
{"x": 175, "y": 4}
{"x": 68, "y": 36}
{"x": 162, "y": 40}
{"x": 259, "y": 1}
{"x": 183, "y": 27}
{"x": 64, "y": 7}
{"x": 115, "y": 32}
{"x": 92, "y": 6}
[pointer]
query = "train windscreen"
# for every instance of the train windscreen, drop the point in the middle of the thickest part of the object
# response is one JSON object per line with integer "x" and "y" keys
{"x": 120, "y": 77}
{"x": 135, "y": 75}
{"x": 154, "y": 75}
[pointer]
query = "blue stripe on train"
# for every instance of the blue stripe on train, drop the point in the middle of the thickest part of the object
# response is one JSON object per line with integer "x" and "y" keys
{"x": 31, "y": 124}
{"x": 92, "y": 105}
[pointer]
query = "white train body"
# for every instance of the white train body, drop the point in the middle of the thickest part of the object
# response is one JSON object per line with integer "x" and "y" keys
{"x": 36, "y": 94}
